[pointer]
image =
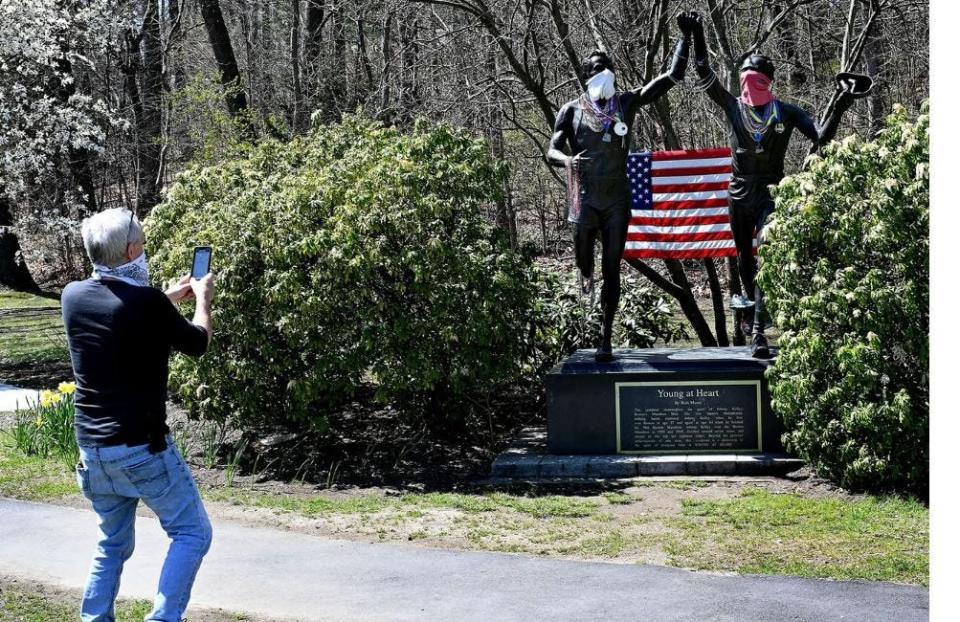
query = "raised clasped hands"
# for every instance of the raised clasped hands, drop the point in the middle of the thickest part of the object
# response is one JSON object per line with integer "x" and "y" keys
{"x": 689, "y": 22}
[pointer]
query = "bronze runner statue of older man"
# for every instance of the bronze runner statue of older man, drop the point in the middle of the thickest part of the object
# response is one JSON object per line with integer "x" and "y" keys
{"x": 595, "y": 128}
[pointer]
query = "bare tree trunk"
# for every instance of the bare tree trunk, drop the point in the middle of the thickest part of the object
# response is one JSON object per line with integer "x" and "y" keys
{"x": 363, "y": 56}
{"x": 176, "y": 77}
{"x": 387, "y": 64}
{"x": 131, "y": 70}
{"x": 505, "y": 218}
{"x": 716, "y": 295}
{"x": 409, "y": 96}
{"x": 787, "y": 33}
{"x": 314, "y": 36}
{"x": 338, "y": 81}
{"x": 297, "y": 120}
{"x": 876, "y": 111}
{"x": 563, "y": 31}
{"x": 219, "y": 37}
{"x": 679, "y": 287}
{"x": 850, "y": 56}
{"x": 14, "y": 273}
{"x": 151, "y": 127}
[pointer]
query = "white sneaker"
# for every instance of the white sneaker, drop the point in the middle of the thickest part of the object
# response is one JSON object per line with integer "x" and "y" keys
{"x": 739, "y": 302}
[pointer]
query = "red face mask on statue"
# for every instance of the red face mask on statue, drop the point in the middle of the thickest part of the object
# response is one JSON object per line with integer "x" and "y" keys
{"x": 755, "y": 88}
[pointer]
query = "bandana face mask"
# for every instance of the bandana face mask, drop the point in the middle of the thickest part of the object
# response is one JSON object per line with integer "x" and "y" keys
{"x": 755, "y": 88}
{"x": 134, "y": 272}
{"x": 601, "y": 86}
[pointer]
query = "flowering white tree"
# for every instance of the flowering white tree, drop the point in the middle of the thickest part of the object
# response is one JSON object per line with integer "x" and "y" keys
{"x": 50, "y": 130}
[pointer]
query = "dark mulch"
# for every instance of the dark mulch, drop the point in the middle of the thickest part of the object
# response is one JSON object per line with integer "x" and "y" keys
{"x": 368, "y": 444}
{"x": 36, "y": 375}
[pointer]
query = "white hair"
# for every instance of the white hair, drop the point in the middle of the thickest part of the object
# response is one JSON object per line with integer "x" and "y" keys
{"x": 107, "y": 234}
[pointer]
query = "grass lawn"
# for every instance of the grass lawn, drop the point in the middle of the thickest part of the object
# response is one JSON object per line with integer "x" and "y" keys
{"x": 873, "y": 538}
{"x": 27, "y": 601}
{"x": 32, "y": 603}
{"x": 31, "y": 330}
{"x": 755, "y": 527}
{"x": 31, "y": 478}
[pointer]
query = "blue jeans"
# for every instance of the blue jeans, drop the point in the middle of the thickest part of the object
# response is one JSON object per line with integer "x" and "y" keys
{"x": 115, "y": 479}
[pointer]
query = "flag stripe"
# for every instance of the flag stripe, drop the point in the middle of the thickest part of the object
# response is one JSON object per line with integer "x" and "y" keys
{"x": 690, "y": 179}
{"x": 682, "y": 222}
{"x": 677, "y": 205}
{"x": 695, "y": 212}
{"x": 682, "y": 246}
{"x": 678, "y": 229}
{"x": 687, "y": 154}
{"x": 670, "y": 164}
{"x": 697, "y": 253}
{"x": 692, "y": 170}
{"x": 685, "y": 237}
{"x": 689, "y": 196}
{"x": 693, "y": 187}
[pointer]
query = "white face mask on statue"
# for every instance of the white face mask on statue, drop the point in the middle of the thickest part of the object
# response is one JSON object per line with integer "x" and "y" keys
{"x": 601, "y": 86}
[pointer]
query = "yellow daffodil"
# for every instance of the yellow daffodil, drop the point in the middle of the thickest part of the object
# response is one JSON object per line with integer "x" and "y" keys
{"x": 39, "y": 421}
{"x": 49, "y": 398}
{"x": 67, "y": 388}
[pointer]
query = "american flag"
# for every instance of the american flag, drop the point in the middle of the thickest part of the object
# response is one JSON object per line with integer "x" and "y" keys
{"x": 679, "y": 205}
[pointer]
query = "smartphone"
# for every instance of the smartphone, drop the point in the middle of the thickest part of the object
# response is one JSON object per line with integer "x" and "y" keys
{"x": 201, "y": 262}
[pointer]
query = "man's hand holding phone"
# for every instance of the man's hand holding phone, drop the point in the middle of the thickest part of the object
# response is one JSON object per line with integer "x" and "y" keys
{"x": 184, "y": 289}
{"x": 203, "y": 291}
{"x": 180, "y": 292}
{"x": 202, "y": 288}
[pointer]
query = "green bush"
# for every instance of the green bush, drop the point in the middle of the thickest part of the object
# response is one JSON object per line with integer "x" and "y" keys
{"x": 355, "y": 255}
{"x": 564, "y": 320}
{"x": 846, "y": 274}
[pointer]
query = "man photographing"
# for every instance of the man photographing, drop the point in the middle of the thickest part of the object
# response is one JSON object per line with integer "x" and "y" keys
{"x": 121, "y": 332}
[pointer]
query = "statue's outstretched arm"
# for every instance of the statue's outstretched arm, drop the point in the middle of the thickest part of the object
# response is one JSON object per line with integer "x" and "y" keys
{"x": 850, "y": 87}
{"x": 658, "y": 87}
{"x": 708, "y": 79}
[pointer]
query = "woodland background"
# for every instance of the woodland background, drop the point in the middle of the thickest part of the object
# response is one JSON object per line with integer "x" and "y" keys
{"x": 103, "y": 102}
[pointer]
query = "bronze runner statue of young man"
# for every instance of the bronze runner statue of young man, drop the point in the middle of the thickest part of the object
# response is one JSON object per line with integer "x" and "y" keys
{"x": 760, "y": 128}
{"x": 596, "y": 126}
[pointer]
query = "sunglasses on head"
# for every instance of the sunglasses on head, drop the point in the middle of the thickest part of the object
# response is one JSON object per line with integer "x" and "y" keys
{"x": 130, "y": 226}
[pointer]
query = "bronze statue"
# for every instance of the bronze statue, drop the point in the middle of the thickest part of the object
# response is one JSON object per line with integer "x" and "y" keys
{"x": 760, "y": 127}
{"x": 596, "y": 127}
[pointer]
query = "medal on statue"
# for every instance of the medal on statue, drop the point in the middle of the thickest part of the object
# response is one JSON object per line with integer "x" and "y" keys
{"x": 757, "y": 126}
{"x": 621, "y": 129}
{"x": 606, "y": 137}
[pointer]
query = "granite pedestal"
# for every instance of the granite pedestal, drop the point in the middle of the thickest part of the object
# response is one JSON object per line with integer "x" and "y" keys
{"x": 660, "y": 411}
{"x": 661, "y": 401}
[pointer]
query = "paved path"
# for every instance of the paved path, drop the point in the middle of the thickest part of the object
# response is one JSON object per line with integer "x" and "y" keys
{"x": 12, "y": 398}
{"x": 291, "y": 575}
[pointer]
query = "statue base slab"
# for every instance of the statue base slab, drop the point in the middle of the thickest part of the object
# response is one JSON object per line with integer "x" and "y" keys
{"x": 662, "y": 402}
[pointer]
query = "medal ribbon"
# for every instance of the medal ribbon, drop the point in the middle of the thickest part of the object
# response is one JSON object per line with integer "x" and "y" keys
{"x": 761, "y": 125}
{"x": 606, "y": 115}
